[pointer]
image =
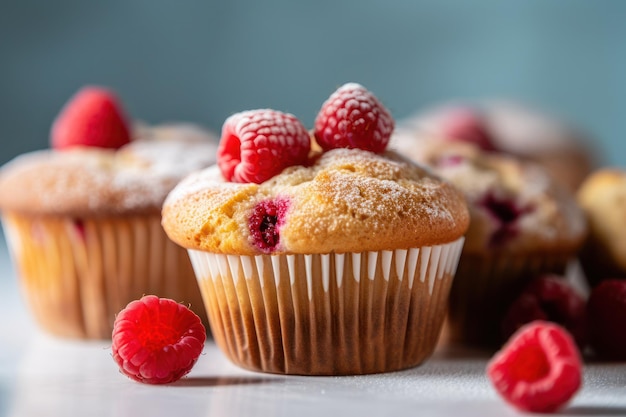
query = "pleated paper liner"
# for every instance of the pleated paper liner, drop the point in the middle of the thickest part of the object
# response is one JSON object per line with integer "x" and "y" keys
{"x": 485, "y": 286}
{"x": 77, "y": 275}
{"x": 328, "y": 314}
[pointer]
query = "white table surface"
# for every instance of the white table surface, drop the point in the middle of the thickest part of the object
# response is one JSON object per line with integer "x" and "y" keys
{"x": 44, "y": 376}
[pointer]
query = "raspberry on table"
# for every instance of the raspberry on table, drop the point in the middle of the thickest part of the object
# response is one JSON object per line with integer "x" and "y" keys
{"x": 93, "y": 117}
{"x": 258, "y": 144}
{"x": 539, "y": 369}
{"x": 157, "y": 340}
{"x": 352, "y": 117}
{"x": 550, "y": 298}
{"x": 467, "y": 125}
{"x": 606, "y": 311}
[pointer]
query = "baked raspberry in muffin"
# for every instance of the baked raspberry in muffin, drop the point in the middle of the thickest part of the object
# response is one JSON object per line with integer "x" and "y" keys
{"x": 338, "y": 263}
{"x": 523, "y": 224}
{"x": 82, "y": 220}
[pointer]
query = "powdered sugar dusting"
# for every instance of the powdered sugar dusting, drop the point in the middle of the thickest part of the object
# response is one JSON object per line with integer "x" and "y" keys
{"x": 199, "y": 181}
{"x": 136, "y": 177}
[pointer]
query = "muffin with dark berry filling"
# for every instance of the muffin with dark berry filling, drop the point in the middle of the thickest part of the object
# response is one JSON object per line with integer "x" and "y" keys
{"x": 332, "y": 262}
{"x": 522, "y": 224}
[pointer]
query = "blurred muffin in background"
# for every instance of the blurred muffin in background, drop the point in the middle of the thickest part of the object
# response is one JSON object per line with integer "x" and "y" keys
{"x": 83, "y": 219}
{"x": 603, "y": 199}
{"x": 522, "y": 224}
{"x": 564, "y": 151}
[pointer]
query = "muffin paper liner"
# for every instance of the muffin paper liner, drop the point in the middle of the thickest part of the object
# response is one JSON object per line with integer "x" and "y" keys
{"x": 328, "y": 314}
{"x": 76, "y": 275}
{"x": 485, "y": 286}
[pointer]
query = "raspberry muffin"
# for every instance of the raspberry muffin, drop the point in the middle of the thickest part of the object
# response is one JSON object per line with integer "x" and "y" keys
{"x": 82, "y": 220}
{"x": 518, "y": 130}
{"x": 603, "y": 198}
{"x": 522, "y": 224}
{"x": 330, "y": 262}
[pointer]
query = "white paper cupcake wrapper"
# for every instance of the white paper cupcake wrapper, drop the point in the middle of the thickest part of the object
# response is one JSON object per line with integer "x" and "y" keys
{"x": 328, "y": 313}
{"x": 435, "y": 262}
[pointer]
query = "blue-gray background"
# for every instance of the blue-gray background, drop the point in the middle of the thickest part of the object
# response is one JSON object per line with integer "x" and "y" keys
{"x": 202, "y": 60}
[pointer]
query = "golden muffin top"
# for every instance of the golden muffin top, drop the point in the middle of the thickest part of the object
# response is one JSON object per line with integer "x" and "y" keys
{"x": 92, "y": 181}
{"x": 346, "y": 200}
{"x": 603, "y": 198}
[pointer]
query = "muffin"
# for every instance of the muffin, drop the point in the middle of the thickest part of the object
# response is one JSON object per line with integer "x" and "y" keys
{"x": 603, "y": 198}
{"x": 82, "y": 222}
{"x": 522, "y": 224}
{"x": 563, "y": 150}
{"x": 338, "y": 264}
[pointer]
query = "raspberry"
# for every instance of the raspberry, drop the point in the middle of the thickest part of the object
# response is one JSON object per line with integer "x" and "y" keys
{"x": 550, "y": 298}
{"x": 79, "y": 227}
{"x": 539, "y": 369}
{"x": 466, "y": 125}
{"x": 505, "y": 212}
{"x": 93, "y": 117}
{"x": 606, "y": 311}
{"x": 258, "y": 144}
{"x": 157, "y": 340}
{"x": 265, "y": 221}
{"x": 352, "y": 117}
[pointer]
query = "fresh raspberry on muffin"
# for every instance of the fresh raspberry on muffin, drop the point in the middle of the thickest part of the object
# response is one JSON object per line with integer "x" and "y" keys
{"x": 352, "y": 117}
{"x": 258, "y": 144}
{"x": 466, "y": 125}
{"x": 93, "y": 117}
